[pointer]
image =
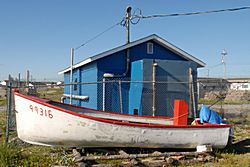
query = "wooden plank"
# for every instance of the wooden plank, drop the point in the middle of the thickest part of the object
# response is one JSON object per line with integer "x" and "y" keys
{"x": 134, "y": 156}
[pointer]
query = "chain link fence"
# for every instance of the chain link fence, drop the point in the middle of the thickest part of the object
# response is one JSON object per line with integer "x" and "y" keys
{"x": 137, "y": 97}
{"x": 133, "y": 97}
{"x": 224, "y": 90}
{"x": 7, "y": 105}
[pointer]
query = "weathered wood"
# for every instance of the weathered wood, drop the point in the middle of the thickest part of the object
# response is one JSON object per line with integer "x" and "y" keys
{"x": 169, "y": 160}
{"x": 134, "y": 156}
{"x": 76, "y": 154}
{"x": 121, "y": 152}
{"x": 153, "y": 162}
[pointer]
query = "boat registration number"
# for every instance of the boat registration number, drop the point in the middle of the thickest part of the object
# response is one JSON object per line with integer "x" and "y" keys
{"x": 41, "y": 111}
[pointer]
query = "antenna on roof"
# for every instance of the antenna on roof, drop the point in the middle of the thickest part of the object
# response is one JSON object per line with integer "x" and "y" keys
{"x": 127, "y": 23}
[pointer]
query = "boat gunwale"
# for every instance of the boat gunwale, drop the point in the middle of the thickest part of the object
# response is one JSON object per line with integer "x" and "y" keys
{"x": 113, "y": 113}
{"x": 116, "y": 122}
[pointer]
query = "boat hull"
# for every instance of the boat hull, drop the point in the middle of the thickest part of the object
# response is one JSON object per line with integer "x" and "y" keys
{"x": 43, "y": 124}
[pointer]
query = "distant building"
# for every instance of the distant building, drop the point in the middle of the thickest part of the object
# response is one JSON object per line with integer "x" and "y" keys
{"x": 232, "y": 88}
{"x": 3, "y": 83}
{"x": 240, "y": 86}
{"x": 239, "y": 83}
{"x": 144, "y": 66}
{"x": 59, "y": 83}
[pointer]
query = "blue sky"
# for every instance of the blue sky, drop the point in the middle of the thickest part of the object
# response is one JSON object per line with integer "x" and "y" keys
{"x": 38, "y": 35}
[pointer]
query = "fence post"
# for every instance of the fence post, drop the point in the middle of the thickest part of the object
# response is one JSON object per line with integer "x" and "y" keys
{"x": 154, "y": 65}
{"x": 9, "y": 105}
{"x": 120, "y": 94}
{"x": 103, "y": 93}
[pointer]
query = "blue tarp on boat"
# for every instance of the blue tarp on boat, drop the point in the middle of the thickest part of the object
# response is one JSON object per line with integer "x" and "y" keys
{"x": 209, "y": 116}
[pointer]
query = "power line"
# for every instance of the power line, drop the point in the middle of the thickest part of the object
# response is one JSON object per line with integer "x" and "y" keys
{"x": 214, "y": 66}
{"x": 93, "y": 38}
{"x": 190, "y": 13}
{"x": 135, "y": 18}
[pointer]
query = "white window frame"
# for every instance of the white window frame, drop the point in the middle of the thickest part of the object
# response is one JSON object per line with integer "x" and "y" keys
{"x": 150, "y": 48}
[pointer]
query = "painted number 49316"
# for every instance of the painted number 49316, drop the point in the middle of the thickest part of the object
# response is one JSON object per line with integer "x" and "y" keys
{"x": 41, "y": 111}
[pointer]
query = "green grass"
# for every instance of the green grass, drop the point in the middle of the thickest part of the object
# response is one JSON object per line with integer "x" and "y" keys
{"x": 238, "y": 154}
{"x": 31, "y": 155}
{"x": 46, "y": 156}
{"x": 209, "y": 102}
{"x": 54, "y": 94}
{"x": 16, "y": 154}
{"x": 11, "y": 155}
{"x": 2, "y": 121}
{"x": 3, "y": 101}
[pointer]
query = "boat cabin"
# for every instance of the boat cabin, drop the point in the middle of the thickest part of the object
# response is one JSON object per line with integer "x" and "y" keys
{"x": 143, "y": 77}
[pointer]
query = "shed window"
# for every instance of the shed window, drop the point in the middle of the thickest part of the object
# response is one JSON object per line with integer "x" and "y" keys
{"x": 150, "y": 48}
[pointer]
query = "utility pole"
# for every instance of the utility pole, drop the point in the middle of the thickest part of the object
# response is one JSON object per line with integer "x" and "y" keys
{"x": 19, "y": 80}
{"x": 27, "y": 77}
{"x": 27, "y": 81}
{"x": 127, "y": 23}
{"x": 223, "y": 61}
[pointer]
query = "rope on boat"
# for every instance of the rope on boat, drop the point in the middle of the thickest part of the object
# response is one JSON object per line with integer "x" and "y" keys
{"x": 173, "y": 118}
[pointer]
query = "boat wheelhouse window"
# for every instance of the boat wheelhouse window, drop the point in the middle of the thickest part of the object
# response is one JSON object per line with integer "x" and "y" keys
{"x": 150, "y": 48}
{"x": 75, "y": 85}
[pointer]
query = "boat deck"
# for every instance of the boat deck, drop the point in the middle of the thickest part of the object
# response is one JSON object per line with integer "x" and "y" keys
{"x": 116, "y": 116}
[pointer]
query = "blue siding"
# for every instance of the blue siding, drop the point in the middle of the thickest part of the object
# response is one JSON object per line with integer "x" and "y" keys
{"x": 170, "y": 73}
{"x": 135, "y": 92}
{"x": 139, "y": 52}
{"x": 66, "y": 81}
{"x": 89, "y": 74}
{"x": 75, "y": 88}
{"x": 140, "y": 69}
{"x": 115, "y": 63}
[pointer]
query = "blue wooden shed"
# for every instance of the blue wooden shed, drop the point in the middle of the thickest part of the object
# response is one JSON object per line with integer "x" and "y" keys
{"x": 142, "y": 77}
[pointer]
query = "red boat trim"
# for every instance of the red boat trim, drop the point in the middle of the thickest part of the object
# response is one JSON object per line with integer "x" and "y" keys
{"x": 40, "y": 101}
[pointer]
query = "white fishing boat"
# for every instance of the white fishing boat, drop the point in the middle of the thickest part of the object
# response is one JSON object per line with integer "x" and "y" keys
{"x": 45, "y": 122}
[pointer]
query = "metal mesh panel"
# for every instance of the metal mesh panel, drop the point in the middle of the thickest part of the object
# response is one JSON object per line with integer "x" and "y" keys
{"x": 121, "y": 96}
{"x": 137, "y": 97}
